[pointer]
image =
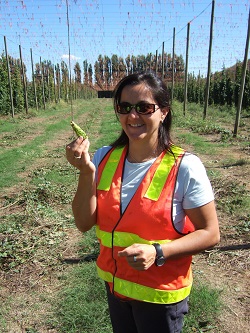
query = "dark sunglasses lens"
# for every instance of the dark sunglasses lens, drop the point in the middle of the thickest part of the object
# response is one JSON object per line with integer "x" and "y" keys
{"x": 140, "y": 108}
{"x": 145, "y": 108}
{"x": 123, "y": 108}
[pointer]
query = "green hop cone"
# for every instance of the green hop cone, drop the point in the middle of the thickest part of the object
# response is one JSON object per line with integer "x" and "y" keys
{"x": 77, "y": 129}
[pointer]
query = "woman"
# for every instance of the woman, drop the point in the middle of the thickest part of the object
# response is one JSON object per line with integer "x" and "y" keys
{"x": 153, "y": 208}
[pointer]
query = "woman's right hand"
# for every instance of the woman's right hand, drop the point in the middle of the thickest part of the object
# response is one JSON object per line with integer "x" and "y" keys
{"x": 77, "y": 154}
{"x": 84, "y": 202}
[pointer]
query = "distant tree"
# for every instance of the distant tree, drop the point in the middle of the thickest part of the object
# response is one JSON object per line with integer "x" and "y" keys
{"x": 106, "y": 72}
{"x": 114, "y": 69}
{"x": 85, "y": 72}
{"x": 78, "y": 73}
{"x": 65, "y": 81}
{"x": 90, "y": 75}
{"x": 121, "y": 67}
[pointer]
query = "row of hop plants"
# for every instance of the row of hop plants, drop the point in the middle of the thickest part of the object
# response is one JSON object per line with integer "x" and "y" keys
{"x": 53, "y": 86}
{"x": 53, "y": 82}
{"x": 223, "y": 91}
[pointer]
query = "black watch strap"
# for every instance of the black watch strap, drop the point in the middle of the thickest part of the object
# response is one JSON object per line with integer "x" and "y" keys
{"x": 159, "y": 260}
{"x": 159, "y": 252}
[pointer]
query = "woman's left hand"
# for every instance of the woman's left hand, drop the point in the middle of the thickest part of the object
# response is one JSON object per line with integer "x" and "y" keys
{"x": 139, "y": 256}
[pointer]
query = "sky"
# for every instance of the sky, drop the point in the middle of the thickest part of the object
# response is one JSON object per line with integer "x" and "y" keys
{"x": 53, "y": 29}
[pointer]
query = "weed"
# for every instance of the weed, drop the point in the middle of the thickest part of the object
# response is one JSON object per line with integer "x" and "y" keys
{"x": 230, "y": 195}
{"x": 205, "y": 305}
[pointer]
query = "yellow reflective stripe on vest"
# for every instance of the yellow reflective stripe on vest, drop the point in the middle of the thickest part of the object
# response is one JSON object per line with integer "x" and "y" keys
{"x": 143, "y": 293}
{"x": 155, "y": 188}
{"x": 109, "y": 169}
{"x": 158, "y": 181}
{"x": 123, "y": 239}
{"x": 106, "y": 276}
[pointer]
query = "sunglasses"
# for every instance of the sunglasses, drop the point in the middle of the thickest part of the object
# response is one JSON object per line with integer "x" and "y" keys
{"x": 141, "y": 108}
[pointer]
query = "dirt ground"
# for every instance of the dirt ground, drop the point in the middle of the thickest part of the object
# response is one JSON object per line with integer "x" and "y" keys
{"x": 226, "y": 267}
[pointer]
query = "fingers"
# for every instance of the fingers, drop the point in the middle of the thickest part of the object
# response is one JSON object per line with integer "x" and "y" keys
{"x": 139, "y": 256}
{"x": 76, "y": 149}
{"x": 77, "y": 153}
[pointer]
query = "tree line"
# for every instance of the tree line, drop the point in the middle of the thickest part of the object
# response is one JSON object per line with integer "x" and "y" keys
{"x": 54, "y": 82}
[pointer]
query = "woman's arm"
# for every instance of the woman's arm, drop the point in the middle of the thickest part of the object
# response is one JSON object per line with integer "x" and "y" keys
{"x": 84, "y": 202}
{"x": 205, "y": 236}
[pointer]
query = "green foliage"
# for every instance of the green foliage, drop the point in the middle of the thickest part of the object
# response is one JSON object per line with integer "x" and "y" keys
{"x": 232, "y": 196}
{"x": 17, "y": 246}
{"x": 4, "y": 88}
{"x": 224, "y": 88}
{"x": 204, "y": 307}
{"x": 82, "y": 305}
{"x": 17, "y": 87}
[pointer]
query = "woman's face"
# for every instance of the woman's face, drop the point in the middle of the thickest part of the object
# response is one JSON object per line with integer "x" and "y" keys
{"x": 138, "y": 126}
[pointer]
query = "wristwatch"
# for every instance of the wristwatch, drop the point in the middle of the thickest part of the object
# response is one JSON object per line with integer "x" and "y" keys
{"x": 159, "y": 259}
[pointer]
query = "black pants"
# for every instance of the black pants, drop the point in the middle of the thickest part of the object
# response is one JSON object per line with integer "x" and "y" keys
{"x": 143, "y": 317}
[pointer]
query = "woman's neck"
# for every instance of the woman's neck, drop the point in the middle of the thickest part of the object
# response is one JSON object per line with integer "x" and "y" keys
{"x": 142, "y": 154}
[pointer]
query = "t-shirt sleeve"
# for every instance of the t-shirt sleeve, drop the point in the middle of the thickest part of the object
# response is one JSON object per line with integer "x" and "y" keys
{"x": 98, "y": 156}
{"x": 193, "y": 186}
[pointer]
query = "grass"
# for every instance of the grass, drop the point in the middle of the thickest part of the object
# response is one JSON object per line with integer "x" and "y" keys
{"x": 33, "y": 233}
{"x": 205, "y": 306}
{"x": 82, "y": 305}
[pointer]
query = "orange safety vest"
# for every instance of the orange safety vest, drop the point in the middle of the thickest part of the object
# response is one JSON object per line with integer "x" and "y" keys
{"x": 146, "y": 220}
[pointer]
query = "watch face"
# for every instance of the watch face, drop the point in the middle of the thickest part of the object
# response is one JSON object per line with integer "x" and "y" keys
{"x": 160, "y": 261}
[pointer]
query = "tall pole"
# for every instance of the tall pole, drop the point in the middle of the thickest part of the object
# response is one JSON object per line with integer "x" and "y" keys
{"x": 59, "y": 82}
{"x": 54, "y": 83}
{"x": 242, "y": 86}
{"x": 173, "y": 66}
{"x": 24, "y": 80}
{"x": 209, "y": 61}
{"x": 156, "y": 62}
{"x": 186, "y": 71}
{"x": 9, "y": 78}
{"x": 43, "y": 88}
{"x": 162, "y": 62}
{"x": 33, "y": 79}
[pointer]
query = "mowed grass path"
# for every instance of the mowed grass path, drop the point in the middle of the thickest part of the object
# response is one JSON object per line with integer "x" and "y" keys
{"x": 25, "y": 141}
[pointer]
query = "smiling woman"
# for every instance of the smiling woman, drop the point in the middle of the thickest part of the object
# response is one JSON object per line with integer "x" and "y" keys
{"x": 153, "y": 207}
{"x": 142, "y": 122}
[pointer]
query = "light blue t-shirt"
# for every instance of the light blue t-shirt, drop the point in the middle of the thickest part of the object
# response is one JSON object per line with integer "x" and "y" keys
{"x": 193, "y": 188}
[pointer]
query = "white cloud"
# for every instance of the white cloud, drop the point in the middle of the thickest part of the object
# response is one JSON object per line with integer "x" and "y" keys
{"x": 72, "y": 57}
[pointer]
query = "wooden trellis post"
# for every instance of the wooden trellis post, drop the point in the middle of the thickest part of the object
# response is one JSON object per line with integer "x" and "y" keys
{"x": 33, "y": 79}
{"x": 186, "y": 71}
{"x": 173, "y": 66}
{"x": 24, "y": 80}
{"x": 9, "y": 78}
{"x": 242, "y": 86}
{"x": 209, "y": 61}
